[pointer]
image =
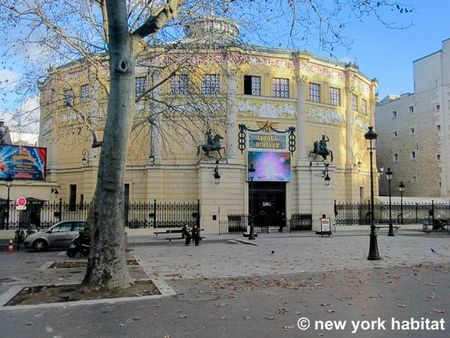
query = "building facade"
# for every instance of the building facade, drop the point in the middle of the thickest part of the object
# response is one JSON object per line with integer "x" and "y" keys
{"x": 269, "y": 106}
{"x": 414, "y": 130}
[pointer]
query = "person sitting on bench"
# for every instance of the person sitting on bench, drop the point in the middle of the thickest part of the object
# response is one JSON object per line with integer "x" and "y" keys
{"x": 186, "y": 234}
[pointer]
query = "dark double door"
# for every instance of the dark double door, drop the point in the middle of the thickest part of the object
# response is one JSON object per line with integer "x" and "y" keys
{"x": 267, "y": 203}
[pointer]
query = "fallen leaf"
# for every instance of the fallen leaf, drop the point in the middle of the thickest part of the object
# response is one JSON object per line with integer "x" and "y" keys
{"x": 288, "y": 327}
{"x": 439, "y": 311}
{"x": 401, "y": 305}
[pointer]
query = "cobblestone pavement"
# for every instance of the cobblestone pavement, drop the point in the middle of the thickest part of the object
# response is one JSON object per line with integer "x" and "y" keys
{"x": 272, "y": 255}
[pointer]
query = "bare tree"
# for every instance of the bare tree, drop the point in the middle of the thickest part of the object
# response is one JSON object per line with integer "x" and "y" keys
{"x": 114, "y": 33}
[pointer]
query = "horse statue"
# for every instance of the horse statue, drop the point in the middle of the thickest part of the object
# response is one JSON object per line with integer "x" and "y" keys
{"x": 320, "y": 148}
{"x": 213, "y": 144}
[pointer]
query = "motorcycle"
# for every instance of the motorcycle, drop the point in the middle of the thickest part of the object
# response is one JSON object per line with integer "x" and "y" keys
{"x": 80, "y": 244}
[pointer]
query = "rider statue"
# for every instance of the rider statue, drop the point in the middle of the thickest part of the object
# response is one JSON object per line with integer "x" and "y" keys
{"x": 209, "y": 137}
{"x": 323, "y": 144}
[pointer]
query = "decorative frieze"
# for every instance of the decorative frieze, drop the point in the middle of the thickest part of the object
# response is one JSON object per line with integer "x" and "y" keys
{"x": 266, "y": 110}
{"x": 323, "y": 115}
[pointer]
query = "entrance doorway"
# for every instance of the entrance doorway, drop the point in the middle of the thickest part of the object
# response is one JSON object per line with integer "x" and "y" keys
{"x": 267, "y": 204}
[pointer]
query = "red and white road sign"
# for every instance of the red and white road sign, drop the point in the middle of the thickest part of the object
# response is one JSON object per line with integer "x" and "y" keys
{"x": 21, "y": 201}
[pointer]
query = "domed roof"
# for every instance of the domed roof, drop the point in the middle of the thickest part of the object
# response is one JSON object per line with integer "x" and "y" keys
{"x": 212, "y": 30}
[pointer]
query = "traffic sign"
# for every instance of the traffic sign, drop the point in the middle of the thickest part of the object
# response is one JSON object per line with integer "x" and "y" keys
{"x": 21, "y": 201}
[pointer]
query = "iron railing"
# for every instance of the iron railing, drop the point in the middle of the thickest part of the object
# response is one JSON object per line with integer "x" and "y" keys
{"x": 236, "y": 223}
{"x": 137, "y": 214}
{"x": 402, "y": 213}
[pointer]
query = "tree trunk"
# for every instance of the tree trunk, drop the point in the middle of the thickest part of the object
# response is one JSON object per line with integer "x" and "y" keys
{"x": 107, "y": 262}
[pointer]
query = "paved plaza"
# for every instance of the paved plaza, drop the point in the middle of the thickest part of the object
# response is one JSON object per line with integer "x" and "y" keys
{"x": 232, "y": 287}
{"x": 274, "y": 254}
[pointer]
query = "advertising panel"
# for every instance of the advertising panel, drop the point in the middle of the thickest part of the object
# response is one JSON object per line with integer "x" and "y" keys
{"x": 269, "y": 166}
{"x": 23, "y": 163}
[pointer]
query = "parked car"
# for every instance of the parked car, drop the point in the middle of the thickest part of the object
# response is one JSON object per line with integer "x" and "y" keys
{"x": 58, "y": 236}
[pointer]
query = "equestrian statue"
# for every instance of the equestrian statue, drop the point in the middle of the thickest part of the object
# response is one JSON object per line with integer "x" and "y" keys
{"x": 212, "y": 144}
{"x": 321, "y": 148}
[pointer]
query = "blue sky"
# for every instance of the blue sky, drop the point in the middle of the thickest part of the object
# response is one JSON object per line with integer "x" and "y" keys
{"x": 386, "y": 54}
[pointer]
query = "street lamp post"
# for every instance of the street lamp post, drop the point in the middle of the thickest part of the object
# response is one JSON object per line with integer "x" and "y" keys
{"x": 251, "y": 172}
{"x": 371, "y": 137}
{"x": 389, "y": 179}
{"x": 401, "y": 188}
{"x": 9, "y": 181}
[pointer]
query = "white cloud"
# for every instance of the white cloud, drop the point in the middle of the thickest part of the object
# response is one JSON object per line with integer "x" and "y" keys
{"x": 8, "y": 79}
{"x": 25, "y": 119}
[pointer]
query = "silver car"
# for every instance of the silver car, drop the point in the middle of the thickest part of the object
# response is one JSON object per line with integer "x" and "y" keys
{"x": 59, "y": 236}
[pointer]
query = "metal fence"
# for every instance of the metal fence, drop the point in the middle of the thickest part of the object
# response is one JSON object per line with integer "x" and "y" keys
{"x": 137, "y": 215}
{"x": 237, "y": 223}
{"x": 402, "y": 213}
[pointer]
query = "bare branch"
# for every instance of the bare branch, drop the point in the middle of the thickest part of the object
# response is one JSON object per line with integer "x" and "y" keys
{"x": 159, "y": 18}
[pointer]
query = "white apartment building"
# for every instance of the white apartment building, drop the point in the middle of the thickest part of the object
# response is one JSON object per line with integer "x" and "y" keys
{"x": 414, "y": 130}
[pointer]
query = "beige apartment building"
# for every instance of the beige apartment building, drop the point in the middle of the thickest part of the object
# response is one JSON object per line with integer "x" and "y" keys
{"x": 270, "y": 106}
{"x": 414, "y": 130}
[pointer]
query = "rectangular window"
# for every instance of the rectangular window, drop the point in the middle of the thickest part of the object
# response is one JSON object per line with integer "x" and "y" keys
{"x": 140, "y": 85}
{"x": 411, "y": 109}
{"x": 280, "y": 87}
{"x": 354, "y": 102}
{"x": 84, "y": 93}
{"x": 438, "y": 127}
{"x": 414, "y": 179}
{"x": 364, "y": 106}
{"x": 395, "y": 133}
{"x": 395, "y": 158}
{"x": 412, "y": 131}
{"x": 335, "y": 96}
{"x": 413, "y": 154}
{"x": 211, "y": 84}
{"x": 252, "y": 85}
{"x": 438, "y": 157}
{"x": 394, "y": 114}
{"x": 314, "y": 92}
{"x": 179, "y": 85}
{"x": 73, "y": 197}
{"x": 68, "y": 97}
{"x": 438, "y": 107}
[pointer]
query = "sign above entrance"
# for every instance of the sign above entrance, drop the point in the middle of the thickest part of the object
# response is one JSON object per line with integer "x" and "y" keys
{"x": 267, "y": 128}
{"x": 267, "y": 141}
{"x": 269, "y": 166}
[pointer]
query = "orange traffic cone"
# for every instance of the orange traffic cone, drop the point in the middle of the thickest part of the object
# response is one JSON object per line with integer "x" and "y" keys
{"x": 11, "y": 246}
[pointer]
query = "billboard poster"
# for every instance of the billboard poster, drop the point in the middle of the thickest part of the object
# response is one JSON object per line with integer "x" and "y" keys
{"x": 269, "y": 166}
{"x": 23, "y": 162}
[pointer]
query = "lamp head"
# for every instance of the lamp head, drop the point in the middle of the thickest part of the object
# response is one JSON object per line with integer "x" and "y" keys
{"x": 371, "y": 137}
{"x": 389, "y": 174}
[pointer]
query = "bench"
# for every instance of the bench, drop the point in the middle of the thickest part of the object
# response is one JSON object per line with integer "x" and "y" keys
{"x": 168, "y": 231}
{"x": 386, "y": 226}
{"x": 175, "y": 232}
{"x": 429, "y": 227}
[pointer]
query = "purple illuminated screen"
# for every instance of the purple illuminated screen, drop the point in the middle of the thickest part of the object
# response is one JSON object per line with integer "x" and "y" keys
{"x": 269, "y": 166}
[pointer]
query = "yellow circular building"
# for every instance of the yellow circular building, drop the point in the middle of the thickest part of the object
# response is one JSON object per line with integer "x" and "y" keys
{"x": 267, "y": 111}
